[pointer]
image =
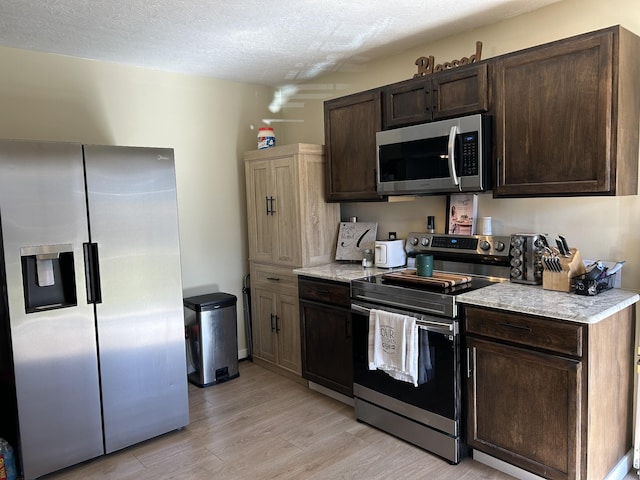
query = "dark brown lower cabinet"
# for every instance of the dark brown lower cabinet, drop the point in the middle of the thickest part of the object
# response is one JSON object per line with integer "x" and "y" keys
{"x": 534, "y": 418}
{"x": 325, "y": 318}
{"x": 551, "y": 397}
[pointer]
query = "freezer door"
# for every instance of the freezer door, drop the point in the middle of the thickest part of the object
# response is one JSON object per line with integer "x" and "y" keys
{"x": 44, "y": 224}
{"x": 133, "y": 220}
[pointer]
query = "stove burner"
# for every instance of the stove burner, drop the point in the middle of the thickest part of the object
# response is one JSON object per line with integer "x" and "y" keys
{"x": 453, "y": 255}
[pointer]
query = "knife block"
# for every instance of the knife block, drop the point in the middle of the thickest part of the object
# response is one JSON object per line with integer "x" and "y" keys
{"x": 572, "y": 266}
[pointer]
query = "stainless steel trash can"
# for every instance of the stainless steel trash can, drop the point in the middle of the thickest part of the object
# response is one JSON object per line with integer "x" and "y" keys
{"x": 212, "y": 337}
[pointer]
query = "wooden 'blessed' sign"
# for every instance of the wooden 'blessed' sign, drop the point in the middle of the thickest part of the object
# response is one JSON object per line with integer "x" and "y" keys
{"x": 427, "y": 65}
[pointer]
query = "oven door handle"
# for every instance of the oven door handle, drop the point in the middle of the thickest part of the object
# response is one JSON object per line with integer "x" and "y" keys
{"x": 425, "y": 324}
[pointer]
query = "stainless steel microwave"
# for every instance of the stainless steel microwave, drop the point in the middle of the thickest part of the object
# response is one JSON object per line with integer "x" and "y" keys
{"x": 446, "y": 156}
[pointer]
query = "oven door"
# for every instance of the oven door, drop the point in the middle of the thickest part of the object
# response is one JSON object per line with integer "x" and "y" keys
{"x": 435, "y": 403}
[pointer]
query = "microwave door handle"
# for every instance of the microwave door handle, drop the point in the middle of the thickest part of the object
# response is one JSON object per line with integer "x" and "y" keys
{"x": 452, "y": 160}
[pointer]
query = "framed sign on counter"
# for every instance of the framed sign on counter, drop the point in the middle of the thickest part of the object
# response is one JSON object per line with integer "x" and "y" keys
{"x": 462, "y": 211}
{"x": 353, "y": 238}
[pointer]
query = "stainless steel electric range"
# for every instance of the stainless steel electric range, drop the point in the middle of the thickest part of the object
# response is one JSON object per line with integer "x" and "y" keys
{"x": 429, "y": 415}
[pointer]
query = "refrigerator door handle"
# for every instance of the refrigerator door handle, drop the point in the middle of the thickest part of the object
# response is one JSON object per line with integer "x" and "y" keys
{"x": 92, "y": 272}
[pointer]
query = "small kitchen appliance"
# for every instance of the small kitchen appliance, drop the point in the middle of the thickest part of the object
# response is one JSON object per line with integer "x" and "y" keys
{"x": 525, "y": 252}
{"x": 389, "y": 253}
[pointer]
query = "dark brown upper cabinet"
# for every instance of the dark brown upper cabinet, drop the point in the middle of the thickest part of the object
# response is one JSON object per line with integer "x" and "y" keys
{"x": 457, "y": 92}
{"x": 567, "y": 117}
{"x": 350, "y": 126}
{"x": 351, "y": 123}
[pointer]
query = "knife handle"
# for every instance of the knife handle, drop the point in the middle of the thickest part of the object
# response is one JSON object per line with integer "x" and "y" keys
{"x": 543, "y": 239}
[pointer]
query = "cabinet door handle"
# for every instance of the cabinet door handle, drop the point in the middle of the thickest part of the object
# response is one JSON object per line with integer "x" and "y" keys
{"x": 269, "y": 204}
{"x": 517, "y": 327}
{"x": 273, "y": 327}
{"x": 468, "y": 362}
{"x": 434, "y": 100}
{"x": 273, "y": 279}
{"x": 277, "y": 323}
{"x": 322, "y": 291}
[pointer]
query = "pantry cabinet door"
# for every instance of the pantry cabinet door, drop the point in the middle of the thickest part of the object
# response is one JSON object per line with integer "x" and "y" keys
{"x": 264, "y": 324}
{"x": 259, "y": 220}
{"x": 286, "y": 213}
{"x": 288, "y": 329}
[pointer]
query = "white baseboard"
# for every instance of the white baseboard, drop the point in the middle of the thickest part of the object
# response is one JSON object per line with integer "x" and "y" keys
{"x": 617, "y": 473}
{"x": 504, "y": 467}
{"x": 622, "y": 468}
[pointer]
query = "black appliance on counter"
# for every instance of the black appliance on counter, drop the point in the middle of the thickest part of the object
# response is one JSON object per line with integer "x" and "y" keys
{"x": 429, "y": 415}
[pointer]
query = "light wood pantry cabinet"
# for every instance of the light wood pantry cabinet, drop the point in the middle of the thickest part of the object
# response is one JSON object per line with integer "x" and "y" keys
{"x": 276, "y": 321}
{"x": 549, "y": 396}
{"x": 567, "y": 116}
{"x": 289, "y": 226}
{"x": 456, "y": 92}
{"x": 289, "y": 222}
{"x": 350, "y": 126}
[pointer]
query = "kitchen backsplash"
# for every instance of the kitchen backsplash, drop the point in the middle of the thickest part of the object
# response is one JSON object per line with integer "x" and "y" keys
{"x": 592, "y": 224}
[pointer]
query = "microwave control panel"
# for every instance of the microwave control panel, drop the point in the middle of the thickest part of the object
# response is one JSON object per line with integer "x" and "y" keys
{"x": 469, "y": 143}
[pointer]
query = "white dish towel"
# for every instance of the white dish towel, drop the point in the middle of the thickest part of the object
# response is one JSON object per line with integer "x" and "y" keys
{"x": 393, "y": 345}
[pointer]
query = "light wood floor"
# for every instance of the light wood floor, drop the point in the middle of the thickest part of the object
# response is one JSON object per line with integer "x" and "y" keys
{"x": 264, "y": 426}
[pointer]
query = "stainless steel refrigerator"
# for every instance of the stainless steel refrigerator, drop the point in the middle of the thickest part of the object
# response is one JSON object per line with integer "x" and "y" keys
{"x": 92, "y": 345}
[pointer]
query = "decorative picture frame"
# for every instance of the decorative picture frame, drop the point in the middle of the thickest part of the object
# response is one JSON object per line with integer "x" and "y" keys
{"x": 462, "y": 214}
{"x": 353, "y": 238}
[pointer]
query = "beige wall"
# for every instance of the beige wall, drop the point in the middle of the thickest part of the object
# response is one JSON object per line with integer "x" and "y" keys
{"x": 602, "y": 228}
{"x": 206, "y": 121}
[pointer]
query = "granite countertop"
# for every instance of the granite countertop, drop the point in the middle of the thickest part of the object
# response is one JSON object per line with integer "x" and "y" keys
{"x": 534, "y": 300}
{"x": 342, "y": 272}
{"x": 513, "y": 297}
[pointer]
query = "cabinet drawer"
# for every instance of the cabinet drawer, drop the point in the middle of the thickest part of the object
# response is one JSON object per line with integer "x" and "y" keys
{"x": 280, "y": 278}
{"x": 548, "y": 334}
{"x": 333, "y": 293}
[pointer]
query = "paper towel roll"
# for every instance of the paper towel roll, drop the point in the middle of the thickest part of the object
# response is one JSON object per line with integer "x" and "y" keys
{"x": 485, "y": 226}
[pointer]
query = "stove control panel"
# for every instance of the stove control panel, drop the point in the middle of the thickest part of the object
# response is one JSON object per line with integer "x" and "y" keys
{"x": 481, "y": 245}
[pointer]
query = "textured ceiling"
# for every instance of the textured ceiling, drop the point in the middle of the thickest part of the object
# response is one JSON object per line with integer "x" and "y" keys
{"x": 274, "y": 42}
